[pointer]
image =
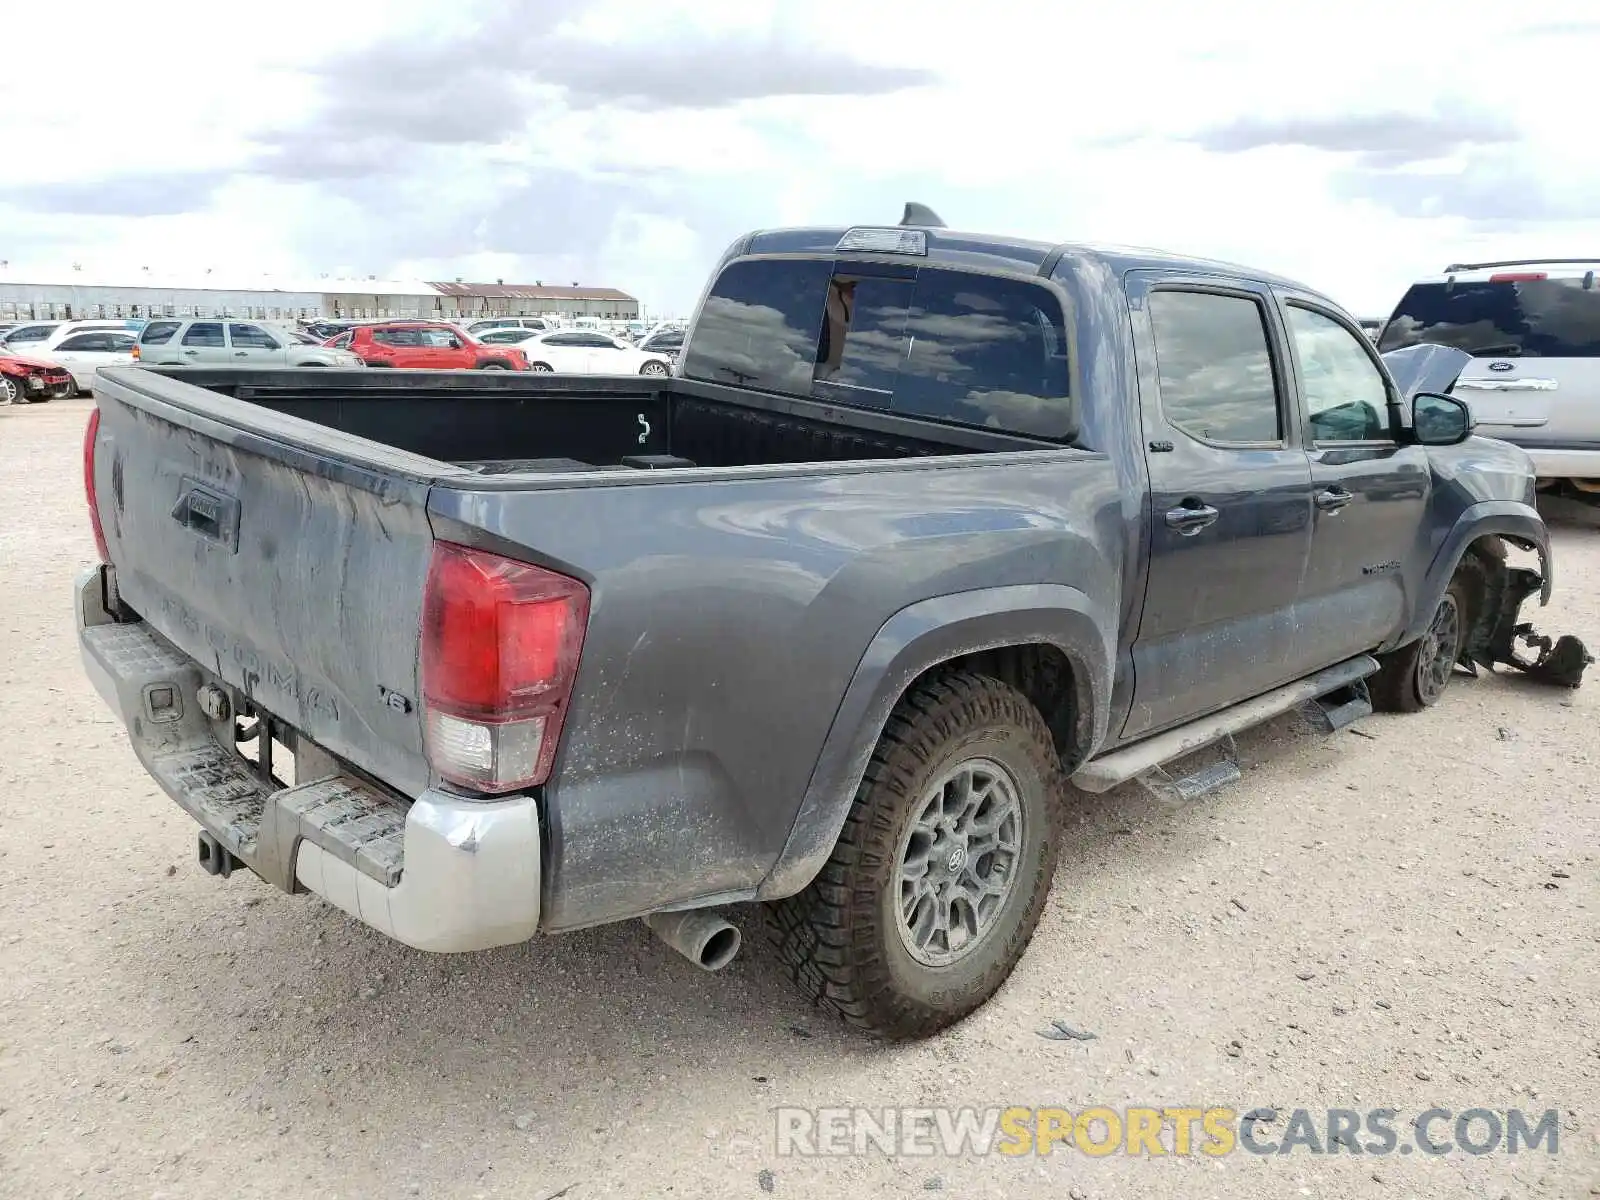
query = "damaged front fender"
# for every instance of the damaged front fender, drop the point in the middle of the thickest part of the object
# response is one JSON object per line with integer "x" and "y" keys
{"x": 1557, "y": 661}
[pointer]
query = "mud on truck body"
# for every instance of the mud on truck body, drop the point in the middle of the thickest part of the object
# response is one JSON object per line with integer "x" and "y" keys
{"x": 930, "y": 532}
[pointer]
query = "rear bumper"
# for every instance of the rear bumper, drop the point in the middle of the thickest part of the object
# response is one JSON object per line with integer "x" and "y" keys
{"x": 442, "y": 874}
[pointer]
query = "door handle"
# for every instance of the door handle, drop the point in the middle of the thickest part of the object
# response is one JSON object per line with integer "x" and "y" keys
{"x": 240, "y": 353}
{"x": 1190, "y": 517}
{"x": 1333, "y": 499}
{"x": 191, "y": 353}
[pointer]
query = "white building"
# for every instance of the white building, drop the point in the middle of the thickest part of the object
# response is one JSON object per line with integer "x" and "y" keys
{"x": 81, "y": 295}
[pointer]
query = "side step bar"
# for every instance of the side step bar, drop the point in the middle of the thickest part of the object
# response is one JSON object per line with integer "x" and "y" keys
{"x": 1104, "y": 773}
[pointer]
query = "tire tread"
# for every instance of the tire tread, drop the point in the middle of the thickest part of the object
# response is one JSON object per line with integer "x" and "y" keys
{"x": 825, "y": 935}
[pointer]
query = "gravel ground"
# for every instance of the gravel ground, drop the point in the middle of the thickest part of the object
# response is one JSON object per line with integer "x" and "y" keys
{"x": 1401, "y": 917}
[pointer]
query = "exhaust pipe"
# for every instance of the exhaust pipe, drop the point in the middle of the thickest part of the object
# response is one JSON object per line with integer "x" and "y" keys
{"x": 702, "y": 937}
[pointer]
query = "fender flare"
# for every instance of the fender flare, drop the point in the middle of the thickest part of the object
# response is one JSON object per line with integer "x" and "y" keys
{"x": 915, "y": 639}
{"x": 1505, "y": 518}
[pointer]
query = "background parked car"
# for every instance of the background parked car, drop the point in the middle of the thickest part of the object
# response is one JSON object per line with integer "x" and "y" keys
{"x": 479, "y": 328}
{"x": 27, "y": 380}
{"x": 427, "y": 346}
{"x": 664, "y": 341}
{"x": 232, "y": 343}
{"x": 84, "y": 351}
{"x": 580, "y": 352}
{"x": 323, "y": 330}
{"x": 29, "y": 336}
{"x": 1533, "y": 330}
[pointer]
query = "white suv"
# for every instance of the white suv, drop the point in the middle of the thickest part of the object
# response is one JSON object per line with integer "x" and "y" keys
{"x": 1533, "y": 330}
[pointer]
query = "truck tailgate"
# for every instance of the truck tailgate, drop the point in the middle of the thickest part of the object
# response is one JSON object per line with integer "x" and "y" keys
{"x": 286, "y": 557}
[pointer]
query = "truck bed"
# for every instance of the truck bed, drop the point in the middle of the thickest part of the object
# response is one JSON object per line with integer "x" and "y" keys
{"x": 504, "y": 423}
{"x": 279, "y": 539}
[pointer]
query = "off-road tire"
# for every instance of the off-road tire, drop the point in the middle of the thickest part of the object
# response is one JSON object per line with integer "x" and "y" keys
{"x": 1396, "y": 687}
{"x": 839, "y": 939}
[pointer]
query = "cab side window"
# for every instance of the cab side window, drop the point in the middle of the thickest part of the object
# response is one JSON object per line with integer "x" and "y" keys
{"x": 1346, "y": 394}
{"x": 1217, "y": 379}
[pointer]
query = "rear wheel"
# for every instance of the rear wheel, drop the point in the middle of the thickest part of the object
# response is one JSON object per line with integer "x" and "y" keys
{"x": 943, "y": 866}
{"x": 654, "y": 368}
{"x": 540, "y": 368}
{"x": 1415, "y": 676}
{"x": 9, "y": 391}
{"x": 494, "y": 366}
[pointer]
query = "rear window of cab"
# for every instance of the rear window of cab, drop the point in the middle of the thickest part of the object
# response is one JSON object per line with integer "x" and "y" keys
{"x": 945, "y": 345}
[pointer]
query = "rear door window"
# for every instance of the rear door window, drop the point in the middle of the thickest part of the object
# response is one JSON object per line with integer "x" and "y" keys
{"x": 1529, "y": 318}
{"x": 253, "y": 337}
{"x": 87, "y": 341}
{"x": 159, "y": 333}
{"x": 1215, "y": 367}
{"x": 203, "y": 333}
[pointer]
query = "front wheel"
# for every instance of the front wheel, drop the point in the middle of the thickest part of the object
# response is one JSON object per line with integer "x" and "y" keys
{"x": 943, "y": 866}
{"x": 10, "y": 393}
{"x": 654, "y": 368}
{"x": 1414, "y": 677}
{"x": 540, "y": 368}
{"x": 493, "y": 366}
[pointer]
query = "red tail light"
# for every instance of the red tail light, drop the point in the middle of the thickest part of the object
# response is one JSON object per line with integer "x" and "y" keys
{"x": 89, "y": 433}
{"x": 500, "y": 646}
{"x": 1518, "y": 277}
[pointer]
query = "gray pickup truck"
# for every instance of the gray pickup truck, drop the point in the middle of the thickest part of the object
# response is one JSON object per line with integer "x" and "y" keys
{"x": 928, "y": 527}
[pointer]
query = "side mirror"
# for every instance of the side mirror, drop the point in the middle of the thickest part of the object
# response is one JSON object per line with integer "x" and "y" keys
{"x": 1440, "y": 420}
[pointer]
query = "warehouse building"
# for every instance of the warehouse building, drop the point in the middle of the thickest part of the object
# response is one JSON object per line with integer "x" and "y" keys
{"x": 499, "y": 299}
{"x": 83, "y": 297}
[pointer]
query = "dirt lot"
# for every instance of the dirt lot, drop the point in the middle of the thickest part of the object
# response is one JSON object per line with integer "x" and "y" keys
{"x": 1403, "y": 918}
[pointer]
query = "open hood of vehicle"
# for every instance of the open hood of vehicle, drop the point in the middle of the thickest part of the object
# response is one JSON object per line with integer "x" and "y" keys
{"x": 1426, "y": 368}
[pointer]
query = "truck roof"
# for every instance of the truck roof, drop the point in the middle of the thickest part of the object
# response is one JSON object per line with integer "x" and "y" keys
{"x": 952, "y": 247}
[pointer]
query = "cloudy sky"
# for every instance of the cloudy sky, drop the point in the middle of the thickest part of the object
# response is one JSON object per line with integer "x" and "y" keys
{"x": 627, "y": 143}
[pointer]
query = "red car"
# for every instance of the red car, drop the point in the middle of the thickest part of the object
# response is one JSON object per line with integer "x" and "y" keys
{"x": 32, "y": 380}
{"x": 422, "y": 344}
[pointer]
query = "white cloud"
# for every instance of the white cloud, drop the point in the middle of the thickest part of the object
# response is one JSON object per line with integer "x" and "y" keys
{"x": 526, "y": 142}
